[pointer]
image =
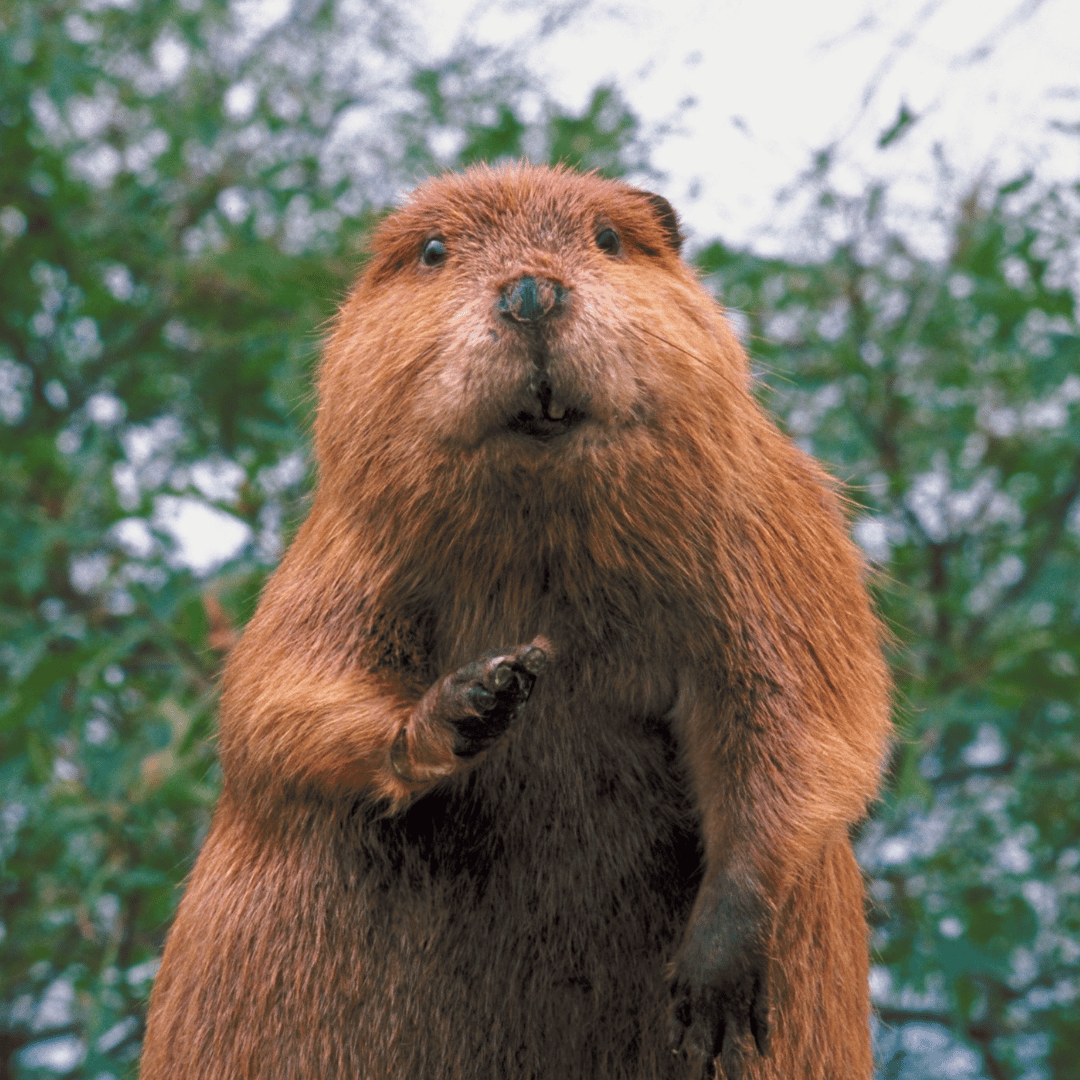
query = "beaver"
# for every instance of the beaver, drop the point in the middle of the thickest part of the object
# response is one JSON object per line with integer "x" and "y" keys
{"x": 541, "y": 750}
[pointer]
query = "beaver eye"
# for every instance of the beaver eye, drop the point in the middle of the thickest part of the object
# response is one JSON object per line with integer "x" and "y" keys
{"x": 607, "y": 240}
{"x": 434, "y": 252}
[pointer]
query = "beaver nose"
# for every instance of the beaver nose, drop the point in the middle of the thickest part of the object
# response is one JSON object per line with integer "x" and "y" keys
{"x": 530, "y": 299}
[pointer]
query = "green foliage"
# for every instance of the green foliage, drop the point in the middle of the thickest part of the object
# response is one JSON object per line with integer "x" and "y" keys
{"x": 181, "y": 206}
{"x": 946, "y": 394}
{"x": 597, "y": 139}
{"x": 900, "y": 126}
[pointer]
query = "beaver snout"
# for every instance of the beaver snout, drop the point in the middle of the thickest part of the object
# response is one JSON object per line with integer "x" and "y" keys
{"x": 530, "y": 304}
{"x": 529, "y": 300}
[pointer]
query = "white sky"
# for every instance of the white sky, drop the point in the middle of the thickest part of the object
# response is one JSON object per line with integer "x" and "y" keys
{"x": 775, "y": 80}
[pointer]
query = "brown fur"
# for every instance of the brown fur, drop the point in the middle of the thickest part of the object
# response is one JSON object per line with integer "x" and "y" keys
{"x": 658, "y": 846}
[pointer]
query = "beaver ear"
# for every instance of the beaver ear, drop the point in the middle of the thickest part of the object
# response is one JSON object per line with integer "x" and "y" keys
{"x": 666, "y": 216}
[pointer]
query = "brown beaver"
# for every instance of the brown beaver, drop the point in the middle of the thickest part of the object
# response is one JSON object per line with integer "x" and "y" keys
{"x": 541, "y": 750}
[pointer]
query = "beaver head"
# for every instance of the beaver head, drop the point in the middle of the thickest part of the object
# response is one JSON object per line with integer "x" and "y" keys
{"x": 529, "y": 316}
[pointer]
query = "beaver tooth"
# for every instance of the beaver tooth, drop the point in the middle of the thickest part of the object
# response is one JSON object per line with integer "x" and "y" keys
{"x": 555, "y": 412}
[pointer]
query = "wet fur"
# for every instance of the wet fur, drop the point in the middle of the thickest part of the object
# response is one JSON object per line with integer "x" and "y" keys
{"x": 657, "y": 848}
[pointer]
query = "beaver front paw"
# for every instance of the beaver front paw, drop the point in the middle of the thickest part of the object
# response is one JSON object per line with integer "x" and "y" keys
{"x": 719, "y": 989}
{"x": 480, "y": 700}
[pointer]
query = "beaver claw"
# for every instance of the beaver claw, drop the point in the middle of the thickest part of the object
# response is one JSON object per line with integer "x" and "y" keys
{"x": 483, "y": 698}
{"x": 709, "y": 1022}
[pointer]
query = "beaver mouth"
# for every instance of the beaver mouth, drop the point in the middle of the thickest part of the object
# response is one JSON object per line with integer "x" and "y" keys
{"x": 550, "y": 418}
{"x": 545, "y": 428}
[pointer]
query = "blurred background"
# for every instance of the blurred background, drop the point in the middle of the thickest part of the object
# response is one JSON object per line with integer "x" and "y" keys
{"x": 885, "y": 197}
